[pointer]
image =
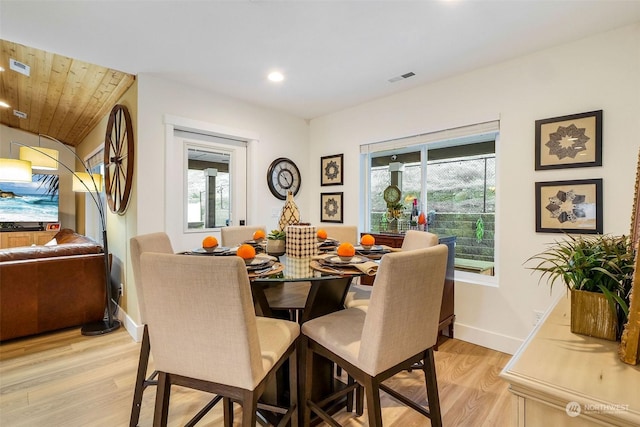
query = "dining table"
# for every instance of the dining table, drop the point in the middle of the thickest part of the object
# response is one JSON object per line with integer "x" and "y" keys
{"x": 329, "y": 277}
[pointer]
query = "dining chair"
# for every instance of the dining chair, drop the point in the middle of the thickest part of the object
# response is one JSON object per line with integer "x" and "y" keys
{"x": 153, "y": 242}
{"x": 342, "y": 233}
{"x": 375, "y": 344}
{"x": 206, "y": 335}
{"x": 413, "y": 239}
{"x": 236, "y": 235}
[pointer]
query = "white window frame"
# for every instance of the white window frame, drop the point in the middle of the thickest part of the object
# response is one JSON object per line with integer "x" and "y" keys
{"x": 445, "y": 138}
{"x": 176, "y": 174}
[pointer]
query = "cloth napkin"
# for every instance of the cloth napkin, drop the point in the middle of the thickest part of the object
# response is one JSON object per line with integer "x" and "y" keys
{"x": 369, "y": 268}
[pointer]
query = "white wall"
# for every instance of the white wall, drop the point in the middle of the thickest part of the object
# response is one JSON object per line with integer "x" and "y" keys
{"x": 601, "y": 72}
{"x": 279, "y": 135}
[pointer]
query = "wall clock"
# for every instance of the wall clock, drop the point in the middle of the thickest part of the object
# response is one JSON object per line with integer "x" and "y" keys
{"x": 283, "y": 176}
{"x": 118, "y": 159}
{"x": 392, "y": 194}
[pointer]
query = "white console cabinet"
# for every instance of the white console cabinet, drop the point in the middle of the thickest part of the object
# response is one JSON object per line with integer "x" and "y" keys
{"x": 555, "y": 368}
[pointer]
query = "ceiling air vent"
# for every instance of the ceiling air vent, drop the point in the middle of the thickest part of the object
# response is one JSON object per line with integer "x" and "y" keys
{"x": 19, "y": 114}
{"x": 402, "y": 77}
{"x": 19, "y": 67}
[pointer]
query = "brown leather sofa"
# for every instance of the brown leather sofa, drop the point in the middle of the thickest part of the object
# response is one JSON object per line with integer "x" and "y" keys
{"x": 44, "y": 288}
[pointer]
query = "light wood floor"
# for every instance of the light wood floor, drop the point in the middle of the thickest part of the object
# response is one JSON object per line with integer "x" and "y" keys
{"x": 66, "y": 379}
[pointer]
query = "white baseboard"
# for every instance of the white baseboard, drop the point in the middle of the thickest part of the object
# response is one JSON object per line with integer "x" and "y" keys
{"x": 484, "y": 338}
{"x": 132, "y": 328}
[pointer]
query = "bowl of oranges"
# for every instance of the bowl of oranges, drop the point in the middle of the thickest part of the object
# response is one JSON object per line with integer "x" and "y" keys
{"x": 346, "y": 251}
{"x": 367, "y": 241}
{"x": 246, "y": 252}
{"x": 321, "y": 235}
{"x": 209, "y": 243}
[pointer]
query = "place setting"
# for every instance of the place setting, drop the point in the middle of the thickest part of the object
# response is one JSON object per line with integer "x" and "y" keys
{"x": 344, "y": 261}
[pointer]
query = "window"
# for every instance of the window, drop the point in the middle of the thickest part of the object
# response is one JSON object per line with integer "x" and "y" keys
{"x": 92, "y": 226}
{"x": 208, "y": 188}
{"x": 452, "y": 180}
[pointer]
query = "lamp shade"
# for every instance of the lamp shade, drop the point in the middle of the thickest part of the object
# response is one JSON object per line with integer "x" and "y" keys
{"x": 40, "y": 158}
{"x": 15, "y": 170}
{"x": 82, "y": 182}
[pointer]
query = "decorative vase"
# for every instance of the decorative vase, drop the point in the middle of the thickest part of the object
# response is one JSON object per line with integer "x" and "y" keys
{"x": 290, "y": 214}
{"x": 275, "y": 247}
{"x": 591, "y": 315}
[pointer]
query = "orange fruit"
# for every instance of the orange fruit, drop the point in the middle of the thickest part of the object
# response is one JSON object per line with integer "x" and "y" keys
{"x": 246, "y": 252}
{"x": 259, "y": 234}
{"x": 321, "y": 234}
{"x": 367, "y": 240}
{"x": 346, "y": 249}
{"x": 209, "y": 242}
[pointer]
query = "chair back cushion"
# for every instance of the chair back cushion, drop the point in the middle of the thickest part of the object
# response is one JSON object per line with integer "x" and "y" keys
{"x": 234, "y": 236}
{"x": 404, "y": 311}
{"x": 154, "y": 242}
{"x": 414, "y": 239}
{"x": 201, "y": 318}
{"x": 342, "y": 233}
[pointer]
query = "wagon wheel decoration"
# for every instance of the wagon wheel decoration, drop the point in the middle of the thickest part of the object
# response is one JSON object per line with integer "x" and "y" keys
{"x": 118, "y": 159}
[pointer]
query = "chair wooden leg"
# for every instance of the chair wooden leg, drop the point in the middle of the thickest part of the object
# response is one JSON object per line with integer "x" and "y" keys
{"x": 359, "y": 401}
{"x": 429, "y": 368}
{"x": 227, "y": 410}
{"x": 374, "y": 409}
{"x": 293, "y": 388}
{"x": 350, "y": 381}
{"x": 143, "y": 363}
{"x": 161, "y": 414}
{"x": 249, "y": 408}
{"x": 307, "y": 353}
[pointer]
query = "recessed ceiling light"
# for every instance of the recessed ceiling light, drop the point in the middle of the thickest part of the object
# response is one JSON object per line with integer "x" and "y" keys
{"x": 4, "y": 104}
{"x": 276, "y": 76}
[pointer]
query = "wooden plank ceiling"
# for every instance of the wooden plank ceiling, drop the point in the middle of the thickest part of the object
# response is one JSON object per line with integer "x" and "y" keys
{"x": 63, "y": 97}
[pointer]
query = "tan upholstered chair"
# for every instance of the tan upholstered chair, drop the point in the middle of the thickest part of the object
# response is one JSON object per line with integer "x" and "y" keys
{"x": 359, "y": 297}
{"x": 418, "y": 240}
{"x": 206, "y": 335}
{"x": 235, "y": 235}
{"x": 376, "y": 344}
{"x": 154, "y": 242}
{"x": 342, "y": 233}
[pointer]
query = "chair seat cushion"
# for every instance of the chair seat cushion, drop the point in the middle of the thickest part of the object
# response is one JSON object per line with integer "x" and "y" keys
{"x": 275, "y": 337}
{"x": 338, "y": 332}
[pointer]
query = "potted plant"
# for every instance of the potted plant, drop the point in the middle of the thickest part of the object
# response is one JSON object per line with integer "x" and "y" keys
{"x": 598, "y": 271}
{"x": 276, "y": 242}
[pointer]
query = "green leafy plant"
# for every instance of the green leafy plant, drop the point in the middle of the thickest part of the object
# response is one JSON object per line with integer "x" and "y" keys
{"x": 479, "y": 230}
{"x": 601, "y": 263}
{"x": 276, "y": 235}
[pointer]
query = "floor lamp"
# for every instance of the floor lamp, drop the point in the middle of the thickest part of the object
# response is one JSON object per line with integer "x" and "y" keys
{"x": 88, "y": 183}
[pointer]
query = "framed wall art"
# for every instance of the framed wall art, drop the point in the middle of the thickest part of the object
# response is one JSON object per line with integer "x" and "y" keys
{"x": 331, "y": 170}
{"x": 569, "y": 206}
{"x": 573, "y": 141}
{"x": 331, "y": 207}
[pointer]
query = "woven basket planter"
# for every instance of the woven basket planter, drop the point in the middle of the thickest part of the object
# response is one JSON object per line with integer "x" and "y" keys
{"x": 592, "y": 315}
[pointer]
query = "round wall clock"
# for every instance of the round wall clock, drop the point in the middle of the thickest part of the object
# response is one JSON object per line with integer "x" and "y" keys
{"x": 118, "y": 159}
{"x": 283, "y": 176}
{"x": 392, "y": 194}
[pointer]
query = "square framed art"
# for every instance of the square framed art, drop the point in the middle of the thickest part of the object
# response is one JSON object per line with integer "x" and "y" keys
{"x": 569, "y": 206}
{"x": 573, "y": 141}
{"x": 331, "y": 169}
{"x": 331, "y": 207}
